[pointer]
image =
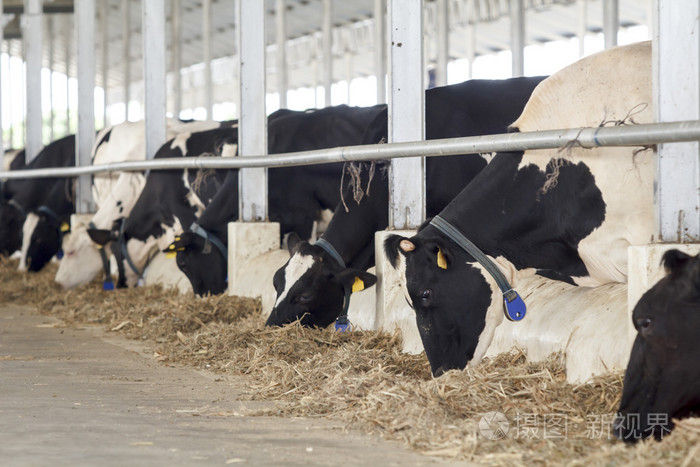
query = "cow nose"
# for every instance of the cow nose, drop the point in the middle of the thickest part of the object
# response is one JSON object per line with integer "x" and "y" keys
{"x": 439, "y": 371}
{"x": 618, "y": 427}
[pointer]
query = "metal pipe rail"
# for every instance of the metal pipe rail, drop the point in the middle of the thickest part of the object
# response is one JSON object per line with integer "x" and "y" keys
{"x": 632, "y": 135}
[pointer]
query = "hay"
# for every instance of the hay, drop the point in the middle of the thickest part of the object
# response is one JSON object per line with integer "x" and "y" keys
{"x": 364, "y": 380}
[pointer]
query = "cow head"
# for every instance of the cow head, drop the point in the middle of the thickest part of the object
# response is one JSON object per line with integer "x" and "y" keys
{"x": 81, "y": 260}
{"x": 455, "y": 301}
{"x": 311, "y": 286}
{"x": 662, "y": 381}
{"x": 201, "y": 261}
{"x": 45, "y": 240}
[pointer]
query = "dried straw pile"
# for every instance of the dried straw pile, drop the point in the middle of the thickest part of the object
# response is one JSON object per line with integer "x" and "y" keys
{"x": 364, "y": 380}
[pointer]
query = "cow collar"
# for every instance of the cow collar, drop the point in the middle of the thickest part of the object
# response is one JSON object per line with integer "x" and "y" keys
{"x": 107, "y": 283}
{"x": 342, "y": 322}
{"x": 18, "y": 207}
{"x": 210, "y": 237}
{"x": 125, "y": 253}
{"x": 513, "y": 306}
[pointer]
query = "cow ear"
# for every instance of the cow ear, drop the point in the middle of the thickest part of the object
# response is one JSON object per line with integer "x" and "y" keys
{"x": 356, "y": 279}
{"x": 395, "y": 244}
{"x": 443, "y": 255}
{"x": 180, "y": 243}
{"x": 100, "y": 236}
{"x": 673, "y": 260}
{"x": 293, "y": 242}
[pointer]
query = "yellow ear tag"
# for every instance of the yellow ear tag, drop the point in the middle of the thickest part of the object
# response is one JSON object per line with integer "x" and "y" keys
{"x": 65, "y": 227}
{"x": 358, "y": 285}
{"x": 441, "y": 261}
{"x": 170, "y": 254}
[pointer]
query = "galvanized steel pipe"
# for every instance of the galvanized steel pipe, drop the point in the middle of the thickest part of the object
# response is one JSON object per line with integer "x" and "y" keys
{"x": 633, "y": 135}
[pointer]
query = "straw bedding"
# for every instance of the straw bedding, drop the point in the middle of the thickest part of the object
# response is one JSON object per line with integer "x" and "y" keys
{"x": 364, "y": 380}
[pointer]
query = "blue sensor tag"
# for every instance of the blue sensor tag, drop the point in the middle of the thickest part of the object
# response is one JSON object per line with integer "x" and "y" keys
{"x": 342, "y": 324}
{"x": 59, "y": 255}
{"x": 107, "y": 285}
{"x": 514, "y": 306}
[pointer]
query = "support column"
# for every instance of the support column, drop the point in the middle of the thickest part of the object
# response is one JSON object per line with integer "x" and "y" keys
{"x": 2, "y": 142}
{"x": 176, "y": 49}
{"x": 104, "y": 16}
{"x": 611, "y": 22}
{"x": 517, "y": 37}
{"x": 52, "y": 53}
{"x": 126, "y": 54}
{"x": 153, "y": 27}
{"x": 206, "y": 47}
{"x": 406, "y": 123}
{"x": 281, "y": 65}
{"x": 582, "y": 27}
{"x": 33, "y": 37}
{"x": 443, "y": 42}
{"x": 380, "y": 50}
{"x": 85, "y": 136}
{"x": 68, "y": 36}
{"x": 471, "y": 36}
{"x": 327, "y": 50}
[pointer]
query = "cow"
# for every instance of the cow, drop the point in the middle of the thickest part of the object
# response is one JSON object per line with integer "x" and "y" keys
{"x": 568, "y": 215}
{"x": 312, "y": 285}
{"x": 169, "y": 201}
{"x": 296, "y": 195}
{"x": 662, "y": 381}
{"x": 9, "y": 242}
{"x": 44, "y": 204}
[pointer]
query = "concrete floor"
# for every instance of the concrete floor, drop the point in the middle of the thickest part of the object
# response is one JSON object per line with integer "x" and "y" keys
{"x": 74, "y": 397}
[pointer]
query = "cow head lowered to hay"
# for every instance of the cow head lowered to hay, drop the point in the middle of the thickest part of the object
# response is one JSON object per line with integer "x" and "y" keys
{"x": 662, "y": 381}
{"x": 566, "y": 215}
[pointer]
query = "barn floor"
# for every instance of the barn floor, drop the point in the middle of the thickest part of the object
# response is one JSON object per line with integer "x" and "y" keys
{"x": 71, "y": 395}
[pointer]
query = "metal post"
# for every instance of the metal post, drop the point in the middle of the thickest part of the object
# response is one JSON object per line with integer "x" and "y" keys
{"x": 153, "y": 27}
{"x": 582, "y": 25}
{"x": 676, "y": 79}
{"x": 104, "y": 16}
{"x": 176, "y": 48}
{"x": 471, "y": 36}
{"x": 32, "y": 34}
{"x": 206, "y": 48}
{"x": 126, "y": 40}
{"x": 281, "y": 65}
{"x": 52, "y": 53}
{"x": 517, "y": 37}
{"x": 10, "y": 114}
{"x": 406, "y": 111}
{"x": 2, "y": 39}
{"x": 443, "y": 42}
{"x": 85, "y": 136}
{"x": 348, "y": 72}
{"x": 68, "y": 35}
{"x": 327, "y": 50}
{"x": 380, "y": 49}
{"x": 252, "y": 130}
{"x": 611, "y": 22}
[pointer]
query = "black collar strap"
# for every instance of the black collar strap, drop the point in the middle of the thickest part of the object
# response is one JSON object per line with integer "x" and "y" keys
{"x": 342, "y": 323}
{"x": 210, "y": 237}
{"x": 107, "y": 283}
{"x": 18, "y": 207}
{"x": 125, "y": 253}
{"x": 514, "y": 306}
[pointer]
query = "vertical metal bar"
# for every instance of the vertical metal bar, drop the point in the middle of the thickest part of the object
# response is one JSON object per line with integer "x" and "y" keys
{"x": 582, "y": 26}
{"x": 52, "y": 53}
{"x": 2, "y": 78}
{"x": 206, "y": 48}
{"x": 517, "y": 37}
{"x": 176, "y": 48}
{"x": 10, "y": 113}
{"x": 126, "y": 54}
{"x": 348, "y": 72}
{"x": 471, "y": 36}
{"x": 676, "y": 80}
{"x": 104, "y": 16}
{"x": 33, "y": 38}
{"x": 85, "y": 136}
{"x": 406, "y": 111}
{"x": 281, "y": 65}
{"x": 68, "y": 36}
{"x": 327, "y": 30}
{"x": 443, "y": 42}
{"x": 611, "y": 22}
{"x": 153, "y": 27}
{"x": 252, "y": 130}
{"x": 380, "y": 49}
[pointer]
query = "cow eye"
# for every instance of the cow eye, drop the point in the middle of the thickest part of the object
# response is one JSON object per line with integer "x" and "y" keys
{"x": 644, "y": 325}
{"x": 425, "y": 296}
{"x": 304, "y": 298}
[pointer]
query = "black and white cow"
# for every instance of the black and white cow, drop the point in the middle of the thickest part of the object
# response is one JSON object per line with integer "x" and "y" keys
{"x": 10, "y": 219}
{"x": 34, "y": 211}
{"x": 566, "y": 215}
{"x": 312, "y": 285}
{"x": 170, "y": 201}
{"x": 662, "y": 382}
{"x": 296, "y": 195}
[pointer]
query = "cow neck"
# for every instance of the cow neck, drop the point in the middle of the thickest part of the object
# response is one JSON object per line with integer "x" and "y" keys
{"x": 125, "y": 253}
{"x": 107, "y": 283}
{"x": 210, "y": 238}
{"x": 342, "y": 322}
{"x": 514, "y": 307}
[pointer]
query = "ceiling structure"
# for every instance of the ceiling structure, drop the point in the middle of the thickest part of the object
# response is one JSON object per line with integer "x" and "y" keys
{"x": 353, "y": 32}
